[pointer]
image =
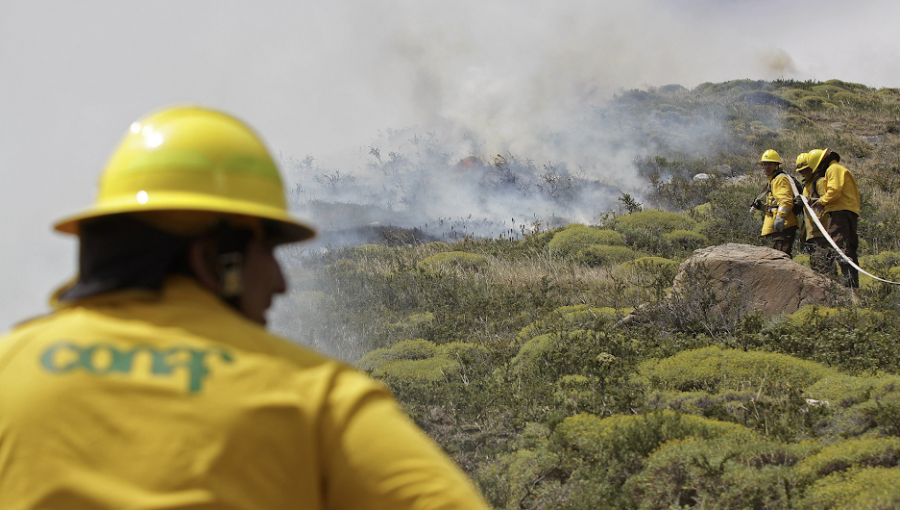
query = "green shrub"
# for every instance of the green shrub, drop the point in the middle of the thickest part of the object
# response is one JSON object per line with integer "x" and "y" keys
{"x": 798, "y": 120}
{"x": 868, "y": 452}
{"x": 450, "y": 260}
{"x": 720, "y": 473}
{"x": 594, "y": 458}
{"x": 574, "y": 391}
{"x": 849, "y": 98}
{"x": 592, "y": 435}
{"x": 813, "y": 314}
{"x": 418, "y": 371}
{"x": 409, "y": 327}
{"x": 370, "y": 251}
{"x": 873, "y": 488}
{"x": 533, "y": 350}
{"x": 846, "y": 85}
{"x": 603, "y": 255}
{"x": 650, "y": 265}
{"x": 540, "y": 240}
{"x": 827, "y": 90}
{"x": 437, "y": 246}
{"x": 405, "y": 350}
{"x": 512, "y": 478}
{"x": 795, "y": 94}
{"x": 822, "y": 316}
{"x": 577, "y": 237}
{"x": 880, "y": 262}
{"x": 847, "y": 390}
{"x": 714, "y": 369}
{"x": 568, "y": 318}
{"x": 650, "y": 274}
{"x": 812, "y": 102}
{"x": 703, "y": 211}
{"x": 655, "y": 220}
{"x": 462, "y": 351}
{"x": 686, "y": 239}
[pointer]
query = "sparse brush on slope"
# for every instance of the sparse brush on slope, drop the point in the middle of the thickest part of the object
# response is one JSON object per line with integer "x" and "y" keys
{"x": 506, "y": 349}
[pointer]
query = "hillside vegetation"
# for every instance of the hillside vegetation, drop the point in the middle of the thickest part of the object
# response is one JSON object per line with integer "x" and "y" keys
{"x": 507, "y": 350}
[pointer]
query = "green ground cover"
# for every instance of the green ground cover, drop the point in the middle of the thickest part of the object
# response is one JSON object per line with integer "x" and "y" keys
{"x": 507, "y": 351}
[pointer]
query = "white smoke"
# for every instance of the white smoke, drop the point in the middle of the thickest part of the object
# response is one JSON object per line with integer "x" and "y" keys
{"x": 490, "y": 77}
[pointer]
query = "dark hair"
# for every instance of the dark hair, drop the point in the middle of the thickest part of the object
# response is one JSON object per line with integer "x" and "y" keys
{"x": 120, "y": 252}
{"x": 832, "y": 157}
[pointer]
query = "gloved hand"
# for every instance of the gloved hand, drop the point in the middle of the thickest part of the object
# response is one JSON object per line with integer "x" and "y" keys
{"x": 816, "y": 206}
{"x": 779, "y": 223}
{"x": 756, "y": 205}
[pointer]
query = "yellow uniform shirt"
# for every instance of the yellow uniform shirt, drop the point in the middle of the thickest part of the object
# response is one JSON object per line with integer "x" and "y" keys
{"x": 175, "y": 401}
{"x": 841, "y": 193}
{"x": 780, "y": 202}
{"x": 811, "y": 229}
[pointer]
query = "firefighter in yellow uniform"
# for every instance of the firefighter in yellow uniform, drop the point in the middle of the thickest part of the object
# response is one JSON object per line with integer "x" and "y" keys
{"x": 780, "y": 223}
{"x": 814, "y": 240}
{"x": 155, "y": 385}
{"x": 841, "y": 203}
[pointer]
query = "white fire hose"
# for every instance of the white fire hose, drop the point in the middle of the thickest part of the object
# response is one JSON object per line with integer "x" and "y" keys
{"x": 815, "y": 218}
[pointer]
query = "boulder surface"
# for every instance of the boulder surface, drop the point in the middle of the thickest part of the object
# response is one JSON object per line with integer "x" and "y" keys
{"x": 766, "y": 280}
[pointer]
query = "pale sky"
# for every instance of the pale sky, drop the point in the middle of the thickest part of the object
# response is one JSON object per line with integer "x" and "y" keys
{"x": 323, "y": 78}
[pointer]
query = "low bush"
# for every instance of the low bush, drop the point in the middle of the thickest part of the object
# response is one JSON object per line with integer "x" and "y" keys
{"x": 828, "y": 90}
{"x": 825, "y": 317}
{"x": 452, "y": 260}
{"x": 370, "y": 251}
{"x": 717, "y": 473}
{"x": 654, "y": 220}
{"x": 595, "y": 457}
{"x": 845, "y": 390}
{"x": 650, "y": 265}
{"x": 798, "y": 121}
{"x": 795, "y": 94}
{"x": 852, "y": 453}
{"x": 602, "y": 255}
{"x": 873, "y": 488}
{"x": 686, "y": 239}
{"x": 714, "y": 369}
{"x": 577, "y": 237}
{"x": 404, "y": 350}
{"x": 880, "y": 262}
{"x": 569, "y": 318}
{"x": 655, "y": 274}
{"x": 417, "y": 372}
{"x": 812, "y": 102}
{"x": 437, "y": 246}
{"x": 851, "y": 99}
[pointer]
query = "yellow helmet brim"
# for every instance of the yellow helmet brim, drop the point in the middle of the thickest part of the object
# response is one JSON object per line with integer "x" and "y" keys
{"x": 291, "y": 229}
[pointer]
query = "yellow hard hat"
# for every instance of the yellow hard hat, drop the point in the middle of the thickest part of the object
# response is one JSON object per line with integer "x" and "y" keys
{"x": 770, "y": 156}
{"x": 802, "y": 162}
{"x": 192, "y": 159}
{"x": 816, "y": 156}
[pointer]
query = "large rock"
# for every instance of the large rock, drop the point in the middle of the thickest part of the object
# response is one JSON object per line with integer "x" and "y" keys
{"x": 762, "y": 279}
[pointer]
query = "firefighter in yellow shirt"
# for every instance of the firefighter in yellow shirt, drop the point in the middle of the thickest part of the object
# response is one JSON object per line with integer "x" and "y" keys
{"x": 841, "y": 202}
{"x": 780, "y": 223}
{"x": 814, "y": 240}
{"x": 154, "y": 383}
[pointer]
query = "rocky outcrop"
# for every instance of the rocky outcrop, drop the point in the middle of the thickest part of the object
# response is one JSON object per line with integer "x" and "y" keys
{"x": 763, "y": 279}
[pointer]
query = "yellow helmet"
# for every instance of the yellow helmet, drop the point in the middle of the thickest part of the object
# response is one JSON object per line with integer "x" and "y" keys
{"x": 191, "y": 159}
{"x": 816, "y": 156}
{"x": 802, "y": 162}
{"x": 770, "y": 156}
